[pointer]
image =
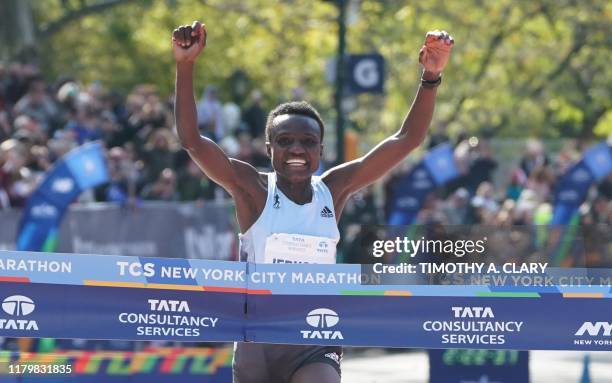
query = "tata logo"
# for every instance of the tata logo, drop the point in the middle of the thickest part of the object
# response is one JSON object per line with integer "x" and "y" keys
{"x": 168, "y": 305}
{"x": 322, "y": 319}
{"x": 595, "y": 329}
{"x": 18, "y": 306}
{"x": 62, "y": 185}
{"x": 472, "y": 312}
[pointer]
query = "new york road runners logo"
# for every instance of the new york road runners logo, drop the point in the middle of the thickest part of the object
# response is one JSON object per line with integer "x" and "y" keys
{"x": 594, "y": 333}
{"x": 322, "y": 320}
{"x": 17, "y": 307}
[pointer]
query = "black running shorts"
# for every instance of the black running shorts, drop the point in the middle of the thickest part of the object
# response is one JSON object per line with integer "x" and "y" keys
{"x": 276, "y": 363}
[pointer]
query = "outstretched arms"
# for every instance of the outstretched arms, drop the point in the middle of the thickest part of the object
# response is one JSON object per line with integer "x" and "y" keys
{"x": 233, "y": 175}
{"x": 347, "y": 178}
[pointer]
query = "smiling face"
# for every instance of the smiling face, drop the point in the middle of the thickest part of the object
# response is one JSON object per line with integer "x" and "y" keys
{"x": 295, "y": 146}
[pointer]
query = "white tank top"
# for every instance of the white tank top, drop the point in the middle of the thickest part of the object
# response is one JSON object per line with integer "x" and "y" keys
{"x": 286, "y": 232}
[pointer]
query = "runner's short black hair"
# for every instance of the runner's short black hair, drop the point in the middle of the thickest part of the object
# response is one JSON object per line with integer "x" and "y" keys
{"x": 301, "y": 108}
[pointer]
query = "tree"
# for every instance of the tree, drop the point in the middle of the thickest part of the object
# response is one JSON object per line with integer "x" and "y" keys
{"x": 519, "y": 68}
{"x": 17, "y": 29}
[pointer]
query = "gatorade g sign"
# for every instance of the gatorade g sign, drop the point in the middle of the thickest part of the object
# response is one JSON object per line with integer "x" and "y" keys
{"x": 365, "y": 73}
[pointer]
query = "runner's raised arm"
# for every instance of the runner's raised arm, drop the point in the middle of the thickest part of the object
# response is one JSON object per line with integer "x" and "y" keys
{"x": 187, "y": 44}
{"x": 346, "y": 179}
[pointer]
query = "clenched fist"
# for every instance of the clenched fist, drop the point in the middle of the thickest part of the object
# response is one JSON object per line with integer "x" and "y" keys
{"x": 435, "y": 51}
{"x": 188, "y": 41}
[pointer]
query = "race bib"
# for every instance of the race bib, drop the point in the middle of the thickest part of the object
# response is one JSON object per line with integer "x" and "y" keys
{"x": 297, "y": 248}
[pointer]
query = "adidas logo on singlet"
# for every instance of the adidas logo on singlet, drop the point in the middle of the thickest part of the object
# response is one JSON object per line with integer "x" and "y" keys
{"x": 327, "y": 213}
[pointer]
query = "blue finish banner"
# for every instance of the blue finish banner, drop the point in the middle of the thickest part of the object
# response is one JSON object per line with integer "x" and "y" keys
{"x": 132, "y": 298}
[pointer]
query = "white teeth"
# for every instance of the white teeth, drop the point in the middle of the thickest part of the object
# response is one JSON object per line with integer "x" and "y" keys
{"x": 296, "y": 162}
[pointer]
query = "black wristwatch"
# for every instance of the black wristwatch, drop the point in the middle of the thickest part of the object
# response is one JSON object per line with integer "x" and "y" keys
{"x": 430, "y": 84}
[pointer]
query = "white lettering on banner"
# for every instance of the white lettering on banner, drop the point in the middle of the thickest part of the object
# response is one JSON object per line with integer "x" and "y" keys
{"x": 597, "y": 342}
{"x": 18, "y": 324}
{"x": 174, "y": 323}
{"x": 168, "y": 305}
{"x": 223, "y": 275}
{"x": 477, "y": 321}
{"x": 136, "y": 269}
{"x": 268, "y": 277}
{"x": 575, "y": 281}
{"x": 495, "y": 280}
{"x": 332, "y": 278}
{"x": 35, "y": 265}
{"x": 536, "y": 280}
{"x": 472, "y": 312}
{"x": 168, "y": 320}
{"x": 178, "y": 272}
{"x": 472, "y": 326}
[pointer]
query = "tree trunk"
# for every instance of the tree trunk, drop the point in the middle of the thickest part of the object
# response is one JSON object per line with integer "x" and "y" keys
{"x": 17, "y": 30}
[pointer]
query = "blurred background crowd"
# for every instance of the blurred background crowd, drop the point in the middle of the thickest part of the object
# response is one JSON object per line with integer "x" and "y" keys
{"x": 40, "y": 121}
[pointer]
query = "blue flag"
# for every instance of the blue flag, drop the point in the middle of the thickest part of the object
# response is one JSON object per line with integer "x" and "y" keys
{"x": 573, "y": 186}
{"x": 409, "y": 195}
{"x": 437, "y": 167}
{"x": 80, "y": 169}
{"x": 599, "y": 160}
{"x": 440, "y": 162}
{"x": 87, "y": 165}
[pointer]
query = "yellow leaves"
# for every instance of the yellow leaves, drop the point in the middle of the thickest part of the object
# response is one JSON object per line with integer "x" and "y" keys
{"x": 283, "y": 44}
{"x": 604, "y": 126}
{"x": 404, "y": 14}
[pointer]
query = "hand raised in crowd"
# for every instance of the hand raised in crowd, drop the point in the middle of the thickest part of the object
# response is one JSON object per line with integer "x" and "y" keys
{"x": 435, "y": 52}
{"x": 188, "y": 41}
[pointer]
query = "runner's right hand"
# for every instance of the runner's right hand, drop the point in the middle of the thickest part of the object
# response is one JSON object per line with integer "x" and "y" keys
{"x": 188, "y": 41}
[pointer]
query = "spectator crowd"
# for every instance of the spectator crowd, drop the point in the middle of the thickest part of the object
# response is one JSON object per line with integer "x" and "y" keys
{"x": 41, "y": 121}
